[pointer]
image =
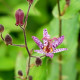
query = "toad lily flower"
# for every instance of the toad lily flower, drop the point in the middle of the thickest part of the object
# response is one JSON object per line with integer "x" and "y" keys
{"x": 49, "y": 46}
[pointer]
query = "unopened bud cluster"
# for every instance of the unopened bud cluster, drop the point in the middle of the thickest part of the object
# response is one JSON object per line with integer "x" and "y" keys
{"x": 19, "y": 15}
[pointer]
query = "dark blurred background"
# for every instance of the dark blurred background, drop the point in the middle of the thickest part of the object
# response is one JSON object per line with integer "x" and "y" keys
{"x": 43, "y": 14}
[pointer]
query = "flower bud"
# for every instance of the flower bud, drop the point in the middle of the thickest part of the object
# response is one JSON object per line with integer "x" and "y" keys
{"x": 19, "y": 15}
{"x": 20, "y": 73}
{"x": 30, "y": 78}
{"x": 30, "y": 1}
{"x": 67, "y": 2}
{"x": 1, "y": 28}
{"x": 8, "y": 40}
{"x": 38, "y": 61}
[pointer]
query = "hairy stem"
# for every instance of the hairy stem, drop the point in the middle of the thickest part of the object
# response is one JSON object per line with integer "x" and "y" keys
{"x": 18, "y": 45}
{"x": 2, "y": 37}
{"x": 24, "y": 31}
{"x": 13, "y": 44}
{"x": 26, "y": 42}
{"x": 60, "y": 32}
{"x": 25, "y": 24}
{"x": 28, "y": 65}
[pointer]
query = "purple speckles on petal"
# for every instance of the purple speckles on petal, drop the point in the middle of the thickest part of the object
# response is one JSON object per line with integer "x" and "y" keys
{"x": 58, "y": 41}
{"x": 37, "y": 41}
{"x": 45, "y": 42}
{"x": 59, "y": 50}
{"x": 39, "y": 51}
{"x": 45, "y": 33}
{"x": 50, "y": 55}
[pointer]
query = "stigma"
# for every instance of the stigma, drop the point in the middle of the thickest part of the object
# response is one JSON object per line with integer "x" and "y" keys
{"x": 46, "y": 49}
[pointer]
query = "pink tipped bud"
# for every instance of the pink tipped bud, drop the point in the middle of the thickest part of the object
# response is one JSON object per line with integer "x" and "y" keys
{"x": 19, "y": 15}
{"x": 30, "y": 1}
{"x": 1, "y": 28}
{"x": 8, "y": 40}
{"x": 67, "y": 2}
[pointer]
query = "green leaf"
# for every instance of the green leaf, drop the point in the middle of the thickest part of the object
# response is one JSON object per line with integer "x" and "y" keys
{"x": 20, "y": 65}
{"x": 71, "y": 10}
{"x": 3, "y": 7}
{"x": 39, "y": 73}
{"x": 70, "y": 29}
{"x": 6, "y": 63}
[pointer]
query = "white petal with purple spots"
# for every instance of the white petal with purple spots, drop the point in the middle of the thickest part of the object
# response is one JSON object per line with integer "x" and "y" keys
{"x": 45, "y": 42}
{"x": 50, "y": 55}
{"x": 58, "y": 42}
{"x": 37, "y": 41}
{"x": 59, "y": 50}
{"x": 45, "y": 34}
{"x": 39, "y": 51}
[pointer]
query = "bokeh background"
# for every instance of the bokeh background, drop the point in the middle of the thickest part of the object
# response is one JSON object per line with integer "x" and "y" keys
{"x": 43, "y": 14}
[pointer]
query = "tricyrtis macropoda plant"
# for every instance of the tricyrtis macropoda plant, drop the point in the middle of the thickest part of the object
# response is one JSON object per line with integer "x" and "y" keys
{"x": 47, "y": 48}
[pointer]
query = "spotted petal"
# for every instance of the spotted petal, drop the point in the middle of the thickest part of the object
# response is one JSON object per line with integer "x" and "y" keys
{"x": 59, "y": 50}
{"x": 45, "y": 34}
{"x": 37, "y": 41}
{"x": 58, "y": 42}
{"x": 50, "y": 55}
{"x": 39, "y": 51}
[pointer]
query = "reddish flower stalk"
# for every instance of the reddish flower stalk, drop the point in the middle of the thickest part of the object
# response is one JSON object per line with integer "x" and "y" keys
{"x": 60, "y": 33}
{"x": 25, "y": 24}
{"x": 67, "y": 2}
{"x": 65, "y": 7}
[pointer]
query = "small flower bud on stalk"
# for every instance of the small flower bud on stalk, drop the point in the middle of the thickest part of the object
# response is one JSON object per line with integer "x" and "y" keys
{"x": 67, "y": 2}
{"x": 30, "y": 78}
{"x": 38, "y": 61}
{"x": 1, "y": 28}
{"x": 30, "y": 1}
{"x": 19, "y": 15}
{"x": 20, "y": 73}
{"x": 8, "y": 40}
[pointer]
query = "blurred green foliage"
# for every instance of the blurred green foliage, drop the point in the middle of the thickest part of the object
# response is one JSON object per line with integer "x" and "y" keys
{"x": 43, "y": 14}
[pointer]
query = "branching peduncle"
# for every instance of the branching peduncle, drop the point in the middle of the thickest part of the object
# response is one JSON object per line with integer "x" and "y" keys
{"x": 24, "y": 31}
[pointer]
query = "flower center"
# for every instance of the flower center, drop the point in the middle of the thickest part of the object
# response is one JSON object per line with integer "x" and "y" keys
{"x": 47, "y": 49}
